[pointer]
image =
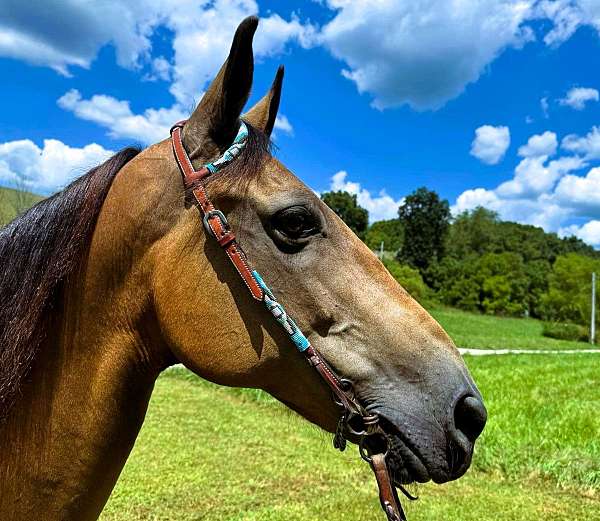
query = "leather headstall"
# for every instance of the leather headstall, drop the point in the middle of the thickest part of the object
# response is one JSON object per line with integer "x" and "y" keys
{"x": 354, "y": 419}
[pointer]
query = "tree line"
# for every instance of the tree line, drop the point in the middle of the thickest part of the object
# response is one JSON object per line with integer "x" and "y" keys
{"x": 477, "y": 262}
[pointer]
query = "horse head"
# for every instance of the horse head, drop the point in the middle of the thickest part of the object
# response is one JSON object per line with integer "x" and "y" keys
{"x": 403, "y": 365}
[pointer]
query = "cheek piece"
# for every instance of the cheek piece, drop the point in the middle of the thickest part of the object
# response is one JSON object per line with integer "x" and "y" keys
{"x": 354, "y": 419}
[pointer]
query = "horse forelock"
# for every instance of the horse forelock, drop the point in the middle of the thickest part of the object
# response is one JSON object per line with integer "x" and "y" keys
{"x": 246, "y": 167}
{"x": 38, "y": 251}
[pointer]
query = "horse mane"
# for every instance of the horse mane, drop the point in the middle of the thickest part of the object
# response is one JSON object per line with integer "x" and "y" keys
{"x": 246, "y": 167}
{"x": 42, "y": 247}
{"x": 38, "y": 251}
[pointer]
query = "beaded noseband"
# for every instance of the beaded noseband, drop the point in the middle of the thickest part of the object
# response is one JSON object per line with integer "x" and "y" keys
{"x": 354, "y": 419}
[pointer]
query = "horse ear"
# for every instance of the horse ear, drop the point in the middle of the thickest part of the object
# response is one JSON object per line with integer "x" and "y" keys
{"x": 263, "y": 114}
{"x": 216, "y": 116}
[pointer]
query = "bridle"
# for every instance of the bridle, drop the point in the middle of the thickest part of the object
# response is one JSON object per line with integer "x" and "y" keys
{"x": 354, "y": 418}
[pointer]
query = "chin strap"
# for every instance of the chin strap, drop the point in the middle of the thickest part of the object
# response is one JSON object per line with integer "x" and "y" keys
{"x": 354, "y": 418}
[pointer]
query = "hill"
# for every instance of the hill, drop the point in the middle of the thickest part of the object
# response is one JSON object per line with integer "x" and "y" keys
{"x": 13, "y": 202}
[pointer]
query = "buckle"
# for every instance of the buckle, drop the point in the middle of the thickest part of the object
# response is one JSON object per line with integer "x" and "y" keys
{"x": 214, "y": 213}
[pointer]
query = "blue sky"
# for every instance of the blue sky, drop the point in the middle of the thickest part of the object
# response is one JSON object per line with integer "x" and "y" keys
{"x": 379, "y": 97}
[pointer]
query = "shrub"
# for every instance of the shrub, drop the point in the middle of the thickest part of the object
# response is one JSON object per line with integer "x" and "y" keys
{"x": 565, "y": 331}
{"x": 569, "y": 289}
{"x": 494, "y": 283}
{"x": 410, "y": 279}
{"x": 389, "y": 232}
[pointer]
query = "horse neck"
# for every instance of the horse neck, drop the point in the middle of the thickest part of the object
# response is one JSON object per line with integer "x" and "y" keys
{"x": 69, "y": 434}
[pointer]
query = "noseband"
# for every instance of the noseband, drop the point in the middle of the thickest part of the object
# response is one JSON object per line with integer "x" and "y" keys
{"x": 354, "y": 420}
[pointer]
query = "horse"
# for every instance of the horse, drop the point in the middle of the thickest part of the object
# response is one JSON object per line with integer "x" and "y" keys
{"x": 111, "y": 281}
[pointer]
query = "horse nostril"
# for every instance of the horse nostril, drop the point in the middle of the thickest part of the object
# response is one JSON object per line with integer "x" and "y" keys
{"x": 470, "y": 416}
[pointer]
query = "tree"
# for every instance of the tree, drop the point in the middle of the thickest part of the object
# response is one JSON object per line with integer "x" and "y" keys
{"x": 389, "y": 232}
{"x": 494, "y": 283}
{"x": 537, "y": 273}
{"x": 410, "y": 279}
{"x": 503, "y": 283}
{"x": 347, "y": 208}
{"x": 472, "y": 232}
{"x": 569, "y": 289}
{"x": 425, "y": 219}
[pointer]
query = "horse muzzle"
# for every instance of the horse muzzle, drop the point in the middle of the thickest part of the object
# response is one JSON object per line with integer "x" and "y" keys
{"x": 423, "y": 446}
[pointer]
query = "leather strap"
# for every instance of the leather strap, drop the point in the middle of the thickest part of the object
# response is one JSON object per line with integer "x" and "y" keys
{"x": 214, "y": 220}
{"x": 190, "y": 175}
{"x": 216, "y": 225}
{"x": 333, "y": 381}
{"x": 388, "y": 497}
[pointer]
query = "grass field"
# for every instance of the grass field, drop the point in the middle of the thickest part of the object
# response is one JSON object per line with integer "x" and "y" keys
{"x": 12, "y": 200}
{"x": 486, "y": 331}
{"x": 212, "y": 453}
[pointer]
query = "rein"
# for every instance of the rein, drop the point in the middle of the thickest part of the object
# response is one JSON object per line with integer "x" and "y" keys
{"x": 354, "y": 419}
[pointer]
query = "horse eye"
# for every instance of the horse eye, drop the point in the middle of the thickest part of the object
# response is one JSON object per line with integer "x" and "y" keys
{"x": 295, "y": 222}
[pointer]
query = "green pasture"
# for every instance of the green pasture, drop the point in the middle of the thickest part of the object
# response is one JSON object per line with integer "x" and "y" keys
{"x": 211, "y": 453}
{"x": 13, "y": 202}
{"x": 488, "y": 331}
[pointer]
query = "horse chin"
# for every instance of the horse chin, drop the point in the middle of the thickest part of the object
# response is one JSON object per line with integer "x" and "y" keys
{"x": 405, "y": 464}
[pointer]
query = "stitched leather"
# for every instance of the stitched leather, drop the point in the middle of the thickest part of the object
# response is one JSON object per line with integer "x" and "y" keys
{"x": 216, "y": 224}
{"x": 190, "y": 175}
{"x": 238, "y": 258}
{"x": 388, "y": 497}
{"x": 224, "y": 236}
{"x": 316, "y": 360}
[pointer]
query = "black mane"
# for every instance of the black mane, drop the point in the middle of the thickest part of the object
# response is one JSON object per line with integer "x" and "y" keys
{"x": 38, "y": 251}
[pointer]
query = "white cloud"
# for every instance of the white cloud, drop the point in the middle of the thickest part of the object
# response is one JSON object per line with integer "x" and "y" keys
{"x": 25, "y": 165}
{"x": 473, "y": 198}
{"x": 116, "y": 115}
{"x": 581, "y": 193}
{"x": 540, "y": 211}
{"x": 577, "y": 97}
{"x": 567, "y": 16}
{"x": 540, "y": 145}
{"x": 275, "y": 33}
{"x": 71, "y": 35}
{"x": 588, "y": 232}
{"x": 534, "y": 177}
{"x": 422, "y": 53}
{"x": 161, "y": 70}
{"x": 381, "y": 206}
{"x": 490, "y": 143}
{"x": 65, "y": 34}
{"x": 283, "y": 124}
{"x": 587, "y": 146}
{"x": 542, "y": 192}
{"x": 199, "y": 49}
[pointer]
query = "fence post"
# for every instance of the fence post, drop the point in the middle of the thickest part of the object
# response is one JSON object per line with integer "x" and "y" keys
{"x": 593, "y": 318}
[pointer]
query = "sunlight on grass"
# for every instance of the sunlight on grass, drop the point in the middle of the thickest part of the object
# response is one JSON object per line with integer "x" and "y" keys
{"x": 213, "y": 453}
{"x": 486, "y": 331}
